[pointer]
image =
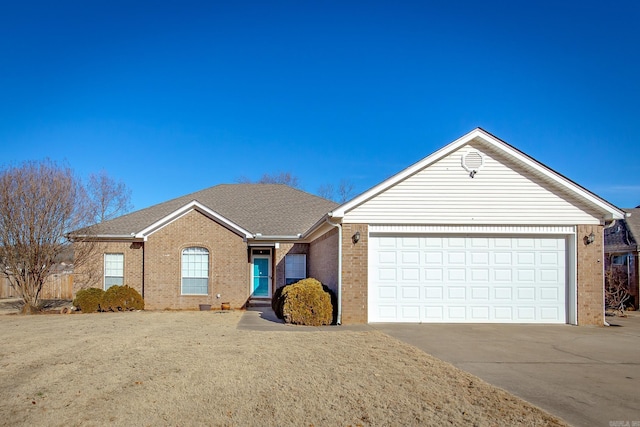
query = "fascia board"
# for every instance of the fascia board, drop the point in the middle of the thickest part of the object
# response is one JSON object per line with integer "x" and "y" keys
{"x": 184, "y": 210}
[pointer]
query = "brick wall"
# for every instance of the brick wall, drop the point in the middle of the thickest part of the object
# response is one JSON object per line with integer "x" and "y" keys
{"x": 590, "y": 276}
{"x": 322, "y": 261}
{"x": 354, "y": 274}
{"x": 90, "y": 274}
{"x": 229, "y": 266}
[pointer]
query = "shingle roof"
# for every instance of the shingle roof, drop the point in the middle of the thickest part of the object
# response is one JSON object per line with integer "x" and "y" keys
{"x": 624, "y": 235}
{"x": 269, "y": 209}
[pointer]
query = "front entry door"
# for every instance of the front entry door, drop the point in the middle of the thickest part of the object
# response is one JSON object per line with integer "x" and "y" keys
{"x": 261, "y": 280}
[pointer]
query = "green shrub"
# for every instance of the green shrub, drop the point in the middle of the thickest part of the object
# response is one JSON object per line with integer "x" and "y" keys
{"x": 306, "y": 303}
{"x": 122, "y": 298}
{"x": 89, "y": 300}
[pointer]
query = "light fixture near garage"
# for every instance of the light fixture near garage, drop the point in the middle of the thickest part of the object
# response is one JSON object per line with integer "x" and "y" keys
{"x": 589, "y": 239}
{"x": 472, "y": 162}
{"x": 356, "y": 237}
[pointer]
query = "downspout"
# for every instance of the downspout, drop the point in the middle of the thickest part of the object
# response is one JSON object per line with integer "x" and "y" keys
{"x": 607, "y": 224}
{"x": 339, "y": 319}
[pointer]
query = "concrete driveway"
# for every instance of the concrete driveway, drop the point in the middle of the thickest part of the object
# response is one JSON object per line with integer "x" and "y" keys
{"x": 587, "y": 376}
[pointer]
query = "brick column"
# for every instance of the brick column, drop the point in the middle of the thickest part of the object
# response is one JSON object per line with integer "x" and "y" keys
{"x": 590, "y": 276}
{"x": 355, "y": 267}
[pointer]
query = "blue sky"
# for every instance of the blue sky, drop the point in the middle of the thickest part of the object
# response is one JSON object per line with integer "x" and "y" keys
{"x": 173, "y": 97}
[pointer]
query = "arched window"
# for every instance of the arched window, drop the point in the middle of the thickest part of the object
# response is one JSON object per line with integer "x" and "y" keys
{"x": 195, "y": 271}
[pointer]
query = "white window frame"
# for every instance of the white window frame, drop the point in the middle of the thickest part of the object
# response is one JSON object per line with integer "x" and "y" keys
{"x": 113, "y": 270}
{"x": 192, "y": 268}
{"x": 295, "y": 265}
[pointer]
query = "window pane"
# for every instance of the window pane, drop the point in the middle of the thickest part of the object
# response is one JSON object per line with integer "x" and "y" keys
{"x": 195, "y": 271}
{"x": 195, "y": 286}
{"x": 113, "y": 270}
{"x": 295, "y": 266}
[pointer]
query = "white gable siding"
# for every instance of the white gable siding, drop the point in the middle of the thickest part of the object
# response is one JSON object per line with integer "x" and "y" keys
{"x": 502, "y": 192}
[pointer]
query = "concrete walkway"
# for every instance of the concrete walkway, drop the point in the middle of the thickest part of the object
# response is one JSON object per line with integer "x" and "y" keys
{"x": 588, "y": 376}
{"x": 264, "y": 319}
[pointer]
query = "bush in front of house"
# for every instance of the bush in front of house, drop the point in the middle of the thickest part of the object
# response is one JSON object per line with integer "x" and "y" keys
{"x": 122, "y": 298}
{"x": 116, "y": 298}
{"x": 89, "y": 300}
{"x": 304, "y": 303}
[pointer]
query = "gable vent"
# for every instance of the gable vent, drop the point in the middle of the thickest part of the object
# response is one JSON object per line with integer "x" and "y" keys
{"x": 472, "y": 162}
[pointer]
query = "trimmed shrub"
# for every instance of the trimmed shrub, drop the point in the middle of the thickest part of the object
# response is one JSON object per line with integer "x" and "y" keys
{"x": 306, "y": 303}
{"x": 122, "y": 298}
{"x": 89, "y": 300}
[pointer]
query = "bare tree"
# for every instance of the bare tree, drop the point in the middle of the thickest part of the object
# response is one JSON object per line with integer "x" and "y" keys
{"x": 616, "y": 289}
{"x": 108, "y": 198}
{"x": 344, "y": 192}
{"x": 286, "y": 178}
{"x": 326, "y": 191}
{"x": 39, "y": 203}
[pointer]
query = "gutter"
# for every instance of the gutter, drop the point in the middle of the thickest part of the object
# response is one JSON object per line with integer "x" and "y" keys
{"x": 259, "y": 236}
{"x": 339, "y": 319}
{"x": 131, "y": 236}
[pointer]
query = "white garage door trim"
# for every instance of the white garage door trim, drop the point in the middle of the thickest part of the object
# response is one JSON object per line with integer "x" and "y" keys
{"x": 411, "y": 293}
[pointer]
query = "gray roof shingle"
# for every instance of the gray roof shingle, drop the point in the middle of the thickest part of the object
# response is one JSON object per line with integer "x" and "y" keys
{"x": 624, "y": 235}
{"x": 269, "y": 209}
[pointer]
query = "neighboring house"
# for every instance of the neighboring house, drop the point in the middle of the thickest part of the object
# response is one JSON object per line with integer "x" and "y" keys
{"x": 476, "y": 232}
{"x": 622, "y": 250}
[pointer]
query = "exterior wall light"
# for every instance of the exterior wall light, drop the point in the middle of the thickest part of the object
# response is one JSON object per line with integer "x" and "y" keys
{"x": 356, "y": 237}
{"x": 589, "y": 239}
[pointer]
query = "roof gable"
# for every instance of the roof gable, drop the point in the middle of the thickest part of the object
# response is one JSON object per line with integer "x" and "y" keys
{"x": 194, "y": 205}
{"x": 545, "y": 178}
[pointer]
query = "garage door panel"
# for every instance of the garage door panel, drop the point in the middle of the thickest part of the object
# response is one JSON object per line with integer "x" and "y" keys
{"x": 387, "y": 294}
{"x": 480, "y": 275}
{"x": 387, "y": 275}
{"x": 433, "y": 293}
{"x": 502, "y": 293}
{"x": 410, "y": 293}
{"x": 479, "y": 293}
{"x": 457, "y": 313}
{"x": 457, "y": 292}
{"x": 549, "y": 294}
{"x": 433, "y": 313}
{"x": 456, "y": 275}
{"x": 467, "y": 279}
{"x": 479, "y": 313}
{"x": 503, "y": 313}
{"x": 433, "y": 274}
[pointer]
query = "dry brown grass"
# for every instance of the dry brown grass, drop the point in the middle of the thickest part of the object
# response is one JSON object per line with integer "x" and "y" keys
{"x": 197, "y": 368}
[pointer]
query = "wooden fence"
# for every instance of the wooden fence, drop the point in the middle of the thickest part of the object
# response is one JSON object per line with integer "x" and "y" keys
{"x": 57, "y": 286}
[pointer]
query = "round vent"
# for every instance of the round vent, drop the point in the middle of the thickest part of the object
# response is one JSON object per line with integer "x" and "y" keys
{"x": 472, "y": 162}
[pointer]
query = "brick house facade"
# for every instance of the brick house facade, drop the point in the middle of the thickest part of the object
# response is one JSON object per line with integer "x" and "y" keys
{"x": 428, "y": 244}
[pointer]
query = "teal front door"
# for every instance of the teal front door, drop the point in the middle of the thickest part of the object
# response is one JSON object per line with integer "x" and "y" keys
{"x": 261, "y": 280}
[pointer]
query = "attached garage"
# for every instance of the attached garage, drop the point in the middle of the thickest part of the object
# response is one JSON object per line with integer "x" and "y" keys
{"x": 476, "y": 232}
{"x": 469, "y": 278}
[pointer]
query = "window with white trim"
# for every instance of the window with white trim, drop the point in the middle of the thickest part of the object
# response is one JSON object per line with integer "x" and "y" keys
{"x": 113, "y": 270}
{"x": 195, "y": 271}
{"x": 295, "y": 268}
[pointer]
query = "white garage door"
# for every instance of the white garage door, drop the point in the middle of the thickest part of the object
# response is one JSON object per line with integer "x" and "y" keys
{"x": 467, "y": 279}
